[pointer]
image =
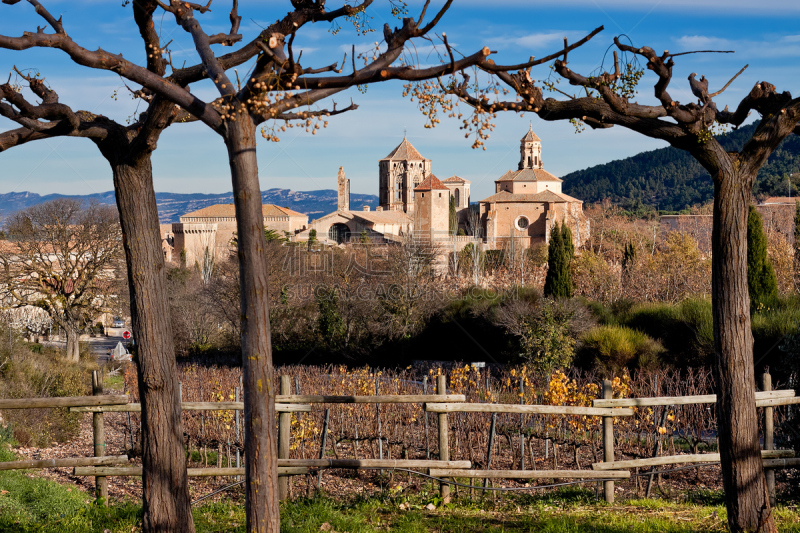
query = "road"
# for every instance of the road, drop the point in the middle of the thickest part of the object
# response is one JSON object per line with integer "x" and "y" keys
{"x": 100, "y": 346}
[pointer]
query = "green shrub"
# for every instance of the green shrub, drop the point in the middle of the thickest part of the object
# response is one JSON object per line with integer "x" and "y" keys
{"x": 616, "y": 348}
{"x": 28, "y": 373}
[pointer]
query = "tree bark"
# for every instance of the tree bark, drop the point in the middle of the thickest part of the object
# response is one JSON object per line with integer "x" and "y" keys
{"x": 73, "y": 345}
{"x": 260, "y": 439}
{"x": 165, "y": 494}
{"x": 745, "y": 489}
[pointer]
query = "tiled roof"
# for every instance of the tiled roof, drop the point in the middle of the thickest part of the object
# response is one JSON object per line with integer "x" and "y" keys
{"x": 229, "y": 211}
{"x": 780, "y": 200}
{"x": 383, "y": 217}
{"x": 455, "y": 179}
{"x": 404, "y": 151}
{"x": 530, "y": 136}
{"x": 528, "y": 174}
{"x": 431, "y": 183}
{"x": 542, "y": 197}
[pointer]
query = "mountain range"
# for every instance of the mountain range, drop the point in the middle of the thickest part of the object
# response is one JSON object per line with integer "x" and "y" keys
{"x": 171, "y": 206}
{"x": 667, "y": 179}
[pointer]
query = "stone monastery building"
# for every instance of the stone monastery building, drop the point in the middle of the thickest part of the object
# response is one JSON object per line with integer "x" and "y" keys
{"x": 526, "y": 204}
{"x": 413, "y": 202}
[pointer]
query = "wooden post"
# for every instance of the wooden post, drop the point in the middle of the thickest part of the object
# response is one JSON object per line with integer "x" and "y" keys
{"x": 769, "y": 437}
{"x": 444, "y": 445}
{"x": 101, "y": 483}
{"x": 427, "y": 441}
{"x": 608, "y": 442}
{"x": 284, "y": 437}
{"x": 324, "y": 444}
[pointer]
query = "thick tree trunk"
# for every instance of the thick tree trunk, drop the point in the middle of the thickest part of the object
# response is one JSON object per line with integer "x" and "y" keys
{"x": 742, "y": 471}
{"x": 260, "y": 439}
{"x": 166, "y": 502}
{"x": 73, "y": 345}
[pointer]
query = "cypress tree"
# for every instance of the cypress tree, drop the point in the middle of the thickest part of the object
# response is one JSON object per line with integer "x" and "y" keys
{"x": 453, "y": 217}
{"x": 761, "y": 281}
{"x": 628, "y": 257}
{"x": 796, "y": 228}
{"x": 569, "y": 254}
{"x": 558, "y": 283}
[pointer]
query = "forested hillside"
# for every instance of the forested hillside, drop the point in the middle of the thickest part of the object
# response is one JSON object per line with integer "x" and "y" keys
{"x": 671, "y": 179}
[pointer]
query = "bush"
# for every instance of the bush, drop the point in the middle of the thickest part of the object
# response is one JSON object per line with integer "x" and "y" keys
{"x": 613, "y": 349}
{"x": 25, "y": 373}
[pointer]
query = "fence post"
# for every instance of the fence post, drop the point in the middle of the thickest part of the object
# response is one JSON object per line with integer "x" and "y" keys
{"x": 98, "y": 430}
{"x": 284, "y": 437}
{"x": 444, "y": 445}
{"x": 608, "y": 441}
{"x": 769, "y": 437}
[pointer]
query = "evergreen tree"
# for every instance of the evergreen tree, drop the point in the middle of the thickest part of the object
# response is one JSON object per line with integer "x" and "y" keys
{"x": 761, "y": 281}
{"x": 628, "y": 257}
{"x": 558, "y": 283}
{"x": 796, "y": 228}
{"x": 569, "y": 254}
{"x": 453, "y": 217}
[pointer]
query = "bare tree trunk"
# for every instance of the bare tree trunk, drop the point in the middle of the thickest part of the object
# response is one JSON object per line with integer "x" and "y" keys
{"x": 745, "y": 488}
{"x": 260, "y": 439}
{"x": 73, "y": 345}
{"x": 166, "y": 502}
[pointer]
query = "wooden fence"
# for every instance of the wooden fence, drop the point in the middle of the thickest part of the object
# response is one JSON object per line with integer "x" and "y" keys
{"x": 102, "y": 466}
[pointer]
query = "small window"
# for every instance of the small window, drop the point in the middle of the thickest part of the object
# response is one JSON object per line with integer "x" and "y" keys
{"x": 440, "y": 195}
{"x": 423, "y": 195}
{"x": 522, "y": 223}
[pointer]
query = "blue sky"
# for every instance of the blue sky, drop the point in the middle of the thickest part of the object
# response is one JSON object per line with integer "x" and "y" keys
{"x": 190, "y": 158}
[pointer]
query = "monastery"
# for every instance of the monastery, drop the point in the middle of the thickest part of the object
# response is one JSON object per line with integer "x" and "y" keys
{"x": 413, "y": 202}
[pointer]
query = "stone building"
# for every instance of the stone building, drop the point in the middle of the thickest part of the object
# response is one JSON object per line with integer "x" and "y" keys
{"x": 399, "y": 173}
{"x": 432, "y": 209}
{"x": 213, "y": 228}
{"x": 528, "y": 202}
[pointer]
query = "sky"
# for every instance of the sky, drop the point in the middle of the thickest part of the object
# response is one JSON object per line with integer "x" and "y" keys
{"x": 191, "y": 158}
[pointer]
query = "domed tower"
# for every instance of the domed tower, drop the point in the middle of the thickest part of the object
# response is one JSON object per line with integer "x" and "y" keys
{"x": 530, "y": 151}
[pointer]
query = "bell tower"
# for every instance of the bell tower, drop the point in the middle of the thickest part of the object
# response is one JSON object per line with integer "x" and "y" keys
{"x": 530, "y": 151}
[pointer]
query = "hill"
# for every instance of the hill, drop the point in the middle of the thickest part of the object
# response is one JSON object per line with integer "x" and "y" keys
{"x": 671, "y": 179}
{"x": 172, "y": 205}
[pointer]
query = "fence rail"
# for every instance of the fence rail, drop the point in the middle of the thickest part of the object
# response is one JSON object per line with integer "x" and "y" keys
{"x": 687, "y": 400}
{"x": 193, "y": 406}
{"x": 441, "y": 403}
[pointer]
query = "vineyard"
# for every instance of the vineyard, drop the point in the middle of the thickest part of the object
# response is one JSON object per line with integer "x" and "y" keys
{"x": 407, "y": 431}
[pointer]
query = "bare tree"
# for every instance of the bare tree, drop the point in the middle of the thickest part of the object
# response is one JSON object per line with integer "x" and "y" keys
{"x": 605, "y": 100}
{"x": 277, "y": 86}
{"x": 59, "y": 258}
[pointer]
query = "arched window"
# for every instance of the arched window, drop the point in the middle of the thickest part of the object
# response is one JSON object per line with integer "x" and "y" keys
{"x": 536, "y": 161}
{"x": 339, "y": 233}
{"x": 529, "y": 160}
{"x": 458, "y": 198}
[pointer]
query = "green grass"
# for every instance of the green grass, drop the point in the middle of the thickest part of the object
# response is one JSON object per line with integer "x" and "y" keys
{"x": 114, "y": 382}
{"x": 36, "y": 505}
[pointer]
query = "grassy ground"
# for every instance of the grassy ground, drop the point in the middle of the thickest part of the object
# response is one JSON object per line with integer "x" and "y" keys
{"x": 33, "y": 505}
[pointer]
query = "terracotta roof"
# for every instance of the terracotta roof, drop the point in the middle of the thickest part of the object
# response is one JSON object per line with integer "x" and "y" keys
{"x": 780, "y": 200}
{"x": 383, "y": 217}
{"x": 404, "y": 151}
{"x": 431, "y": 183}
{"x": 229, "y": 211}
{"x": 528, "y": 174}
{"x": 542, "y": 197}
{"x": 530, "y": 136}
{"x": 455, "y": 179}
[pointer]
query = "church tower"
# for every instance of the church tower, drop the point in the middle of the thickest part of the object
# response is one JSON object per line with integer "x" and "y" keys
{"x": 400, "y": 172}
{"x": 343, "y": 191}
{"x": 530, "y": 151}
